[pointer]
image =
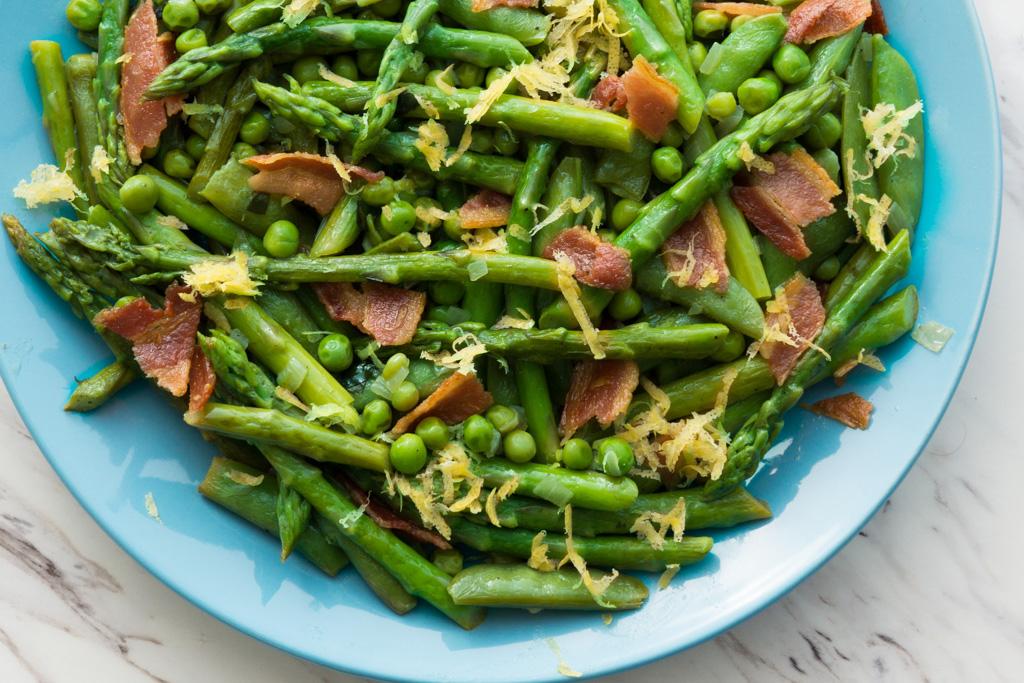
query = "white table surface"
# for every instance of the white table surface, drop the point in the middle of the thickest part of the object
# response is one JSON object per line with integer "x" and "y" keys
{"x": 929, "y": 590}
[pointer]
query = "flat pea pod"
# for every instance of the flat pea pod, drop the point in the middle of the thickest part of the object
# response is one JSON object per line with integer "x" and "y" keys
{"x": 519, "y": 586}
{"x": 591, "y": 490}
{"x": 830, "y": 57}
{"x": 824, "y": 238}
{"x": 339, "y": 230}
{"x": 529, "y": 26}
{"x": 901, "y": 177}
{"x": 665, "y": 15}
{"x": 859, "y": 180}
{"x": 744, "y": 53}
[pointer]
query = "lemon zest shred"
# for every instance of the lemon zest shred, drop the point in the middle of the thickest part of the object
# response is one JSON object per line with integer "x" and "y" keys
{"x": 496, "y": 496}
{"x": 432, "y": 143}
{"x": 570, "y": 289}
{"x": 223, "y": 276}
{"x": 48, "y": 184}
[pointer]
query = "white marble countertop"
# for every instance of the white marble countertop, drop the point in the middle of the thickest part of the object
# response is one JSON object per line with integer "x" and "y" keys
{"x": 929, "y": 590}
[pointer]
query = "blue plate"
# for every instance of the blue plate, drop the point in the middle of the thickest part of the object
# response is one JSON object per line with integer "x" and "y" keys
{"x": 823, "y": 482}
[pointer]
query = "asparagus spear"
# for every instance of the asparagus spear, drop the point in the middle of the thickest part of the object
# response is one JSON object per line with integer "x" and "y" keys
{"x": 252, "y": 495}
{"x": 81, "y": 70}
{"x": 516, "y": 585}
{"x": 292, "y": 517}
{"x": 555, "y": 345}
{"x": 58, "y": 118}
{"x": 590, "y": 490}
{"x": 94, "y": 391}
{"x": 107, "y": 84}
{"x": 528, "y": 26}
{"x": 327, "y": 35}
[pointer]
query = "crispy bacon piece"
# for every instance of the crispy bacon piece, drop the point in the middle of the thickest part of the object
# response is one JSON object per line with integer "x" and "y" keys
{"x": 651, "y": 100}
{"x": 485, "y": 209}
{"x": 813, "y": 20}
{"x": 876, "y": 23}
{"x": 162, "y": 340}
{"x": 850, "y": 409}
{"x": 598, "y": 263}
{"x": 601, "y": 389}
{"x": 387, "y": 313}
{"x": 310, "y": 178}
{"x": 386, "y": 518}
{"x": 458, "y": 397}
{"x": 202, "y": 380}
{"x": 610, "y": 94}
{"x": 484, "y": 5}
{"x": 782, "y": 202}
{"x": 737, "y": 9}
{"x": 798, "y": 313}
{"x": 146, "y": 54}
{"x": 694, "y": 255}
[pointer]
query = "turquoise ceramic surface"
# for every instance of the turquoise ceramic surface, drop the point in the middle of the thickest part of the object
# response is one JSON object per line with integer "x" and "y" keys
{"x": 823, "y": 481}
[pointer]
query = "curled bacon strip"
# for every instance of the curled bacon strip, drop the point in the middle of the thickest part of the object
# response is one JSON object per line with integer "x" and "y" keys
{"x": 162, "y": 340}
{"x": 798, "y": 313}
{"x": 598, "y": 263}
{"x": 386, "y": 518}
{"x": 876, "y": 23}
{"x": 310, "y": 178}
{"x": 610, "y": 94}
{"x": 146, "y": 54}
{"x": 814, "y": 20}
{"x": 485, "y": 209}
{"x": 737, "y": 9}
{"x": 599, "y": 389}
{"x": 202, "y": 380}
{"x": 458, "y": 397}
{"x": 850, "y": 409}
{"x": 651, "y": 100}
{"x": 387, "y": 313}
{"x": 694, "y": 255}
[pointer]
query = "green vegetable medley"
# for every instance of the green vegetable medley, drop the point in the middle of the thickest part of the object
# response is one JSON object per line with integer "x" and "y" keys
{"x": 532, "y": 286}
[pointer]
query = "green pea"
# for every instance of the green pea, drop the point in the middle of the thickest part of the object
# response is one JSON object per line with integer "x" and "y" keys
{"x": 178, "y": 164}
{"x": 469, "y": 75}
{"x": 449, "y": 561}
{"x": 721, "y": 105}
{"x": 335, "y": 352}
{"x": 624, "y": 213}
{"x": 180, "y": 14}
{"x": 503, "y": 418}
{"x": 308, "y": 69}
{"x": 577, "y": 454}
{"x": 771, "y": 76}
{"x": 368, "y": 62}
{"x": 674, "y": 136}
{"x": 379, "y": 193}
{"x": 387, "y": 8}
{"x": 416, "y": 72}
{"x": 757, "y": 94}
{"x": 446, "y": 79}
{"x": 189, "y": 40}
{"x": 446, "y": 293}
{"x": 829, "y": 161}
{"x": 396, "y": 365}
{"x": 421, "y": 180}
{"x": 243, "y": 150}
{"x": 698, "y": 53}
{"x": 139, "y": 194}
{"x": 493, "y": 74}
{"x": 505, "y": 142}
{"x": 791, "y": 63}
{"x": 453, "y": 227}
{"x": 84, "y": 14}
{"x": 824, "y": 133}
{"x": 195, "y": 146}
{"x": 434, "y": 433}
{"x": 606, "y": 235}
{"x": 376, "y": 417}
{"x": 483, "y": 141}
{"x": 519, "y": 446}
{"x": 213, "y": 6}
{"x": 667, "y": 164}
{"x": 345, "y": 66}
{"x": 255, "y": 128}
{"x": 408, "y": 454}
{"x": 281, "y": 239}
{"x": 732, "y": 348}
{"x": 615, "y": 456}
{"x": 625, "y": 305}
{"x": 397, "y": 217}
{"x": 828, "y": 269}
{"x": 480, "y": 435}
{"x": 405, "y": 396}
{"x": 738, "y": 21}
{"x": 709, "y": 22}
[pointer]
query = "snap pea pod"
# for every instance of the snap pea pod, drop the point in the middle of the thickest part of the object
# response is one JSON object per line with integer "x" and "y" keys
{"x": 590, "y": 490}
{"x": 415, "y": 573}
{"x": 268, "y": 426}
{"x": 229, "y": 192}
{"x": 58, "y": 117}
{"x": 323, "y": 35}
{"x": 901, "y": 177}
{"x": 529, "y": 26}
{"x": 860, "y": 183}
{"x": 621, "y": 552}
{"x": 743, "y": 53}
{"x": 736, "y": 507}
{"x": 252, "y": 495}
{"x": 383, "y": 585}
{"x": 94, "y": 391}
{"x": 824, "y": 238}
{"x": 339, "y": 230}
{"x": 258, "y": 13}
{"x": 831, "y": 56}
{"x": 519, "y": 586}
{"x": 285, "y": 309}
{"x": 627, "y": 174}
{"x": 684, "y": 9}
{"x": 665, "y": 15}
{"x": 566, "y": 183}
{"x": 849, "y": 274}
{"x": 80, "y": 71}
{"x": 641, "y": 37}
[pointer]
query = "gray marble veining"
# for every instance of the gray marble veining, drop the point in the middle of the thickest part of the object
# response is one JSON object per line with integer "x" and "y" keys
{"x": 929, "y": 590}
